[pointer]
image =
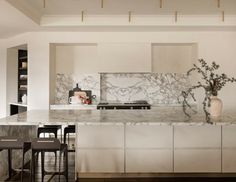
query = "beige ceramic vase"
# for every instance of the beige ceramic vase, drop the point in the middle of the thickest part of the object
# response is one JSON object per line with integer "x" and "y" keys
{"x": 216, "y": 107}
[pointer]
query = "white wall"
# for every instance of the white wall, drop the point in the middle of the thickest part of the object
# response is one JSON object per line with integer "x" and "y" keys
{"x": 172, "y": 58}
{"x": 77, "y": 59}
{"x": 12, "y": 75}
{"x": 216, "y": 46}
{"x": 3, "y": 69}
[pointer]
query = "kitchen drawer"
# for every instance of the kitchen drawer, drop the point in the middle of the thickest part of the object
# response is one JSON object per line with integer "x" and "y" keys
{"x": 100, "y": 161}
{"x": 229, "y": 137}
{"x": 229, "y": 160}
{"x": 100, "y": 136}
{"x": 197, "y": 160}
{"x": 149, "y": 161}
{"x": 149, "y": 136}
{"x": 197, "y": 136}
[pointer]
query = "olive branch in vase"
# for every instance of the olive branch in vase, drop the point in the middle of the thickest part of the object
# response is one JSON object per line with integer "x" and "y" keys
{"x": 211, "y": 82}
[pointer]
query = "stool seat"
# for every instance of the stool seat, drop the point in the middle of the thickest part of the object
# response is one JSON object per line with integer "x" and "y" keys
{"x": 49, "y": 145}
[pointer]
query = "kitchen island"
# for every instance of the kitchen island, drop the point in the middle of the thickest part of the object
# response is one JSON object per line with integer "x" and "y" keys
{"x": 142, "y": 142}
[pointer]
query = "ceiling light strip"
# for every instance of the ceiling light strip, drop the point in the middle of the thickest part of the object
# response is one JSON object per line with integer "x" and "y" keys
{"x": 44, "y": 3}
{"x": 176, "y": 16}
{"x": 223, "y": 16}
{"x": 82, "y": 16}
{"x": 161, "y": 3}
{"x": 130, "y": 16}
{"x": 218, "y": 3}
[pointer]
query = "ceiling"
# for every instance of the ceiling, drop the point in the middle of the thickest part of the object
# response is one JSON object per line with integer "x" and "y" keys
{"x": 28, "y": 15}
{"x": 13, "y": 22}
{"x": 119, "y": 7}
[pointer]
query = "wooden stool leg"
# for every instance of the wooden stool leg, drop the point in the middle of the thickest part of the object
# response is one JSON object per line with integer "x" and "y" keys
{"x": 9, "y": 163}
{"x": 42, "y": 164}
{"x": 66, "y": 164}
{"x": 22, "y": 168}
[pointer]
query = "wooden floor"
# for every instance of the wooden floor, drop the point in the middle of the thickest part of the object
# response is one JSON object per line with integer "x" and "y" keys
{"x": 50, "y": 165}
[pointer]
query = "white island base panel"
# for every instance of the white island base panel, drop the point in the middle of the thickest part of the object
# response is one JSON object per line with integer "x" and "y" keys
{"x": 107, "y": 149}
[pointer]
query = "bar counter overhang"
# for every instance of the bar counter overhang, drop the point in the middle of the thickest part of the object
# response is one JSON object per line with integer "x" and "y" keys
{"x": 157, "y": 141}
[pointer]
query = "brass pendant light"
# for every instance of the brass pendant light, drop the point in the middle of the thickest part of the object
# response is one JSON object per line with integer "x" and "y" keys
{"x": 102, "y": 3}
{"x": 218, "y": 3}
{"x": 130, "y": 15}
{"x": 223, "y": 16}
{"x": 44, "y": 3}
{"x": 82, "y": 16}
{"x": 176, "y": 16}
{"x": 161, "y": 3}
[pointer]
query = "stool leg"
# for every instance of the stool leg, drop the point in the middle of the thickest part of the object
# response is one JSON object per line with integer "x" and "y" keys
{"x": 55, "y": 151}
{"x": 9, "y": 163}
{"x": 32, "y": 166}
{"x": 66, "y": 164}
{"x": 42, "y": 164}
{"x": 22, "y": 168}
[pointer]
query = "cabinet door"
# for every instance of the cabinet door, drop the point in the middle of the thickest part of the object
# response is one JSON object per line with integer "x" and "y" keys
{"x": 100, "y": 161}
{"x": 149, "y": 136}
{"x": 229, "y": 149}
{"x": 197, "y": 160}
{"x": 149, "y": 161}
{"x": 100, "y": 136}
{"x": 197, "y": 137}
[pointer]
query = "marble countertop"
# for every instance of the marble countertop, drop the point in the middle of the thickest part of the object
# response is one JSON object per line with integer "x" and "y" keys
{"x": 157, "y": 115}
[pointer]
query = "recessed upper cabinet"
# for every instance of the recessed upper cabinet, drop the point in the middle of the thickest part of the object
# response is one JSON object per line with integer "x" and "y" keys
{"x": 173, "y": 58}
{"x": 124, "y": 57}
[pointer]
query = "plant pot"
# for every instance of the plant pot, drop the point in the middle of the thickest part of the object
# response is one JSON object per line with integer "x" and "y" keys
{"x": 215, "y": 107}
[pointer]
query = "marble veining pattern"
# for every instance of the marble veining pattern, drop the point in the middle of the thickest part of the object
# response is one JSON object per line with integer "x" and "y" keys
{"x": 157, "y": 116}
{"x": 66, "y": 82}
{"x": 156, "y": 88}
{"x": 28, "y": 132}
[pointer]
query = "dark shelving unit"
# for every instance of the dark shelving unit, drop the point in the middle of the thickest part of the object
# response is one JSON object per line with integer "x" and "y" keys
{"x": 22, "y": 80}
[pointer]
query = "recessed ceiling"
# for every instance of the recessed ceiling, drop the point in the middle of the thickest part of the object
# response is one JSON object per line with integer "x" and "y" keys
{"x": 64, "y": 15}
{"x": 143, "y": 7}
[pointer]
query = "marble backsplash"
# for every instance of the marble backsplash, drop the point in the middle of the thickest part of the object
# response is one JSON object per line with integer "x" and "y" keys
{"x": 156, "y": 88}
{"x": 66, "y": 82}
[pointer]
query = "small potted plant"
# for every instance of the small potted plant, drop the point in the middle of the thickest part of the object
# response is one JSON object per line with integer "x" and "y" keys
{"x": 212, "y": 83}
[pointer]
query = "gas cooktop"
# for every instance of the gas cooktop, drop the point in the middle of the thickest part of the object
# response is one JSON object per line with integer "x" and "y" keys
{"x": 140, "y": 104}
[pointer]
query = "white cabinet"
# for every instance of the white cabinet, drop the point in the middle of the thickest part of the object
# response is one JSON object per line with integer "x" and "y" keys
{"x": 149, "y": 136}
{"x": 100, "y": 136}
{"x": 229, "y": 149}
{"x": 149, "y": 160}
{"x": 197, "y": 149}
{"x": 100, "y": 160}
{"x": 197, "y": 160}
{"x": 197, "y": 136}
{"x": 100, "y": 148}
{"x": 149, "y": 148}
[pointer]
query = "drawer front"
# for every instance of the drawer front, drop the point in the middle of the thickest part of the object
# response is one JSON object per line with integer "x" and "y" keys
{"x": 100, "y": 136}
{"x": 149, "y": 136}
{"x": 100, "y": 161}
{"x": 229, "y": 136}
{"x": 197, "y": 137}
{"x": 196, "y": 160}
{"x": 149, "y": 161}
{"x": 229, "y": 160}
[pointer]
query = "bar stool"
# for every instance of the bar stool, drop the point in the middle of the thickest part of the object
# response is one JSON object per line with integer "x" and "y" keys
{"x": 49, "y": 145}
{"x": 50, "y": 129}
{"x": 67, "y": 131}
{"x": 53, "y": 129}
{"x": 14, "y": 143}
